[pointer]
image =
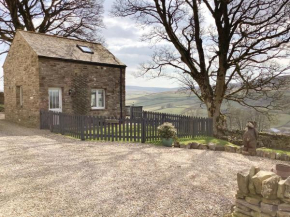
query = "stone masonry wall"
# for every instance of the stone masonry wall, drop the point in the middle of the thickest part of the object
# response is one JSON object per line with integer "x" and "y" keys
{"x": 21, "y": 69}
{"x": 262, "y": 194}
{"x": 268, "y": 140}
{"x": 81, "y": 78}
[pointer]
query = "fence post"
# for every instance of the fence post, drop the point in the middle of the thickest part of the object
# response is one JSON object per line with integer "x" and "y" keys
{"x": 143, "y": 131}
{"x": 61, "y": 124}
{"x": 82, "y": 128}
{"x": 163, "y": 118}
{"x": 41, "y": 119}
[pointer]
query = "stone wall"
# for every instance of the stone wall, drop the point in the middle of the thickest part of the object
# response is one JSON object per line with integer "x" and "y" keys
{"x": 1, "y": 98}
{"x": 21, "y": 69}
{"x": 262, "y": 193}
{"x": 274, "y": 141}
{"x": 81, "y": 78}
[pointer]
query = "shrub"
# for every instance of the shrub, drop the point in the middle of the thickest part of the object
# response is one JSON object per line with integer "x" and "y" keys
{"x": 167, "y": 130}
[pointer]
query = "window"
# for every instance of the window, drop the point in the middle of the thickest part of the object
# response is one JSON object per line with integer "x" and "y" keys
{"x": 85, "y": 49}
{"x": 19, "y": 96}
{"x": 98, "y": 99}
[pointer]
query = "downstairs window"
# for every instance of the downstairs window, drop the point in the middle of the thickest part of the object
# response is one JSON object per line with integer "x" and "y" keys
{"x": 97, "y": 99}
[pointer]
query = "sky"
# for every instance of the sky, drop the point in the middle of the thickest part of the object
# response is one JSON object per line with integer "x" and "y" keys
{"x": 122, "y": 38}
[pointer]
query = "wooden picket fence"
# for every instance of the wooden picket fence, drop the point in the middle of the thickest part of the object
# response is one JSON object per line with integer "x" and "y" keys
{"x": 142, "y": 129}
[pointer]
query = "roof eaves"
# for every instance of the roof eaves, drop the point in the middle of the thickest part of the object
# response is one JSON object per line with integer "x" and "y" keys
{"x": 86, "y": 62}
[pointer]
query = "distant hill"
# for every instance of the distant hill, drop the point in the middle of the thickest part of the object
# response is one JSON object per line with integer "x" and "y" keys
{"x": 170, "y": 100}
{"x": 149, "y": 89}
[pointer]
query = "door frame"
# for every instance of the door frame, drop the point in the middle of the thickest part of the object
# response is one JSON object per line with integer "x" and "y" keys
{"x": 60, "y": 99}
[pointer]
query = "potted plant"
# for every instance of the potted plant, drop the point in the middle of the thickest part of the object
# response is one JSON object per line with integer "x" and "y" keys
{"x": 167, "y": 133}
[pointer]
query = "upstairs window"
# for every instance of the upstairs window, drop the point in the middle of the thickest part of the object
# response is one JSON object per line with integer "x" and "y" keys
{"x": 97, "y": 99}
{"x": 19, "y": 96}
{"x": 85, "y": 49}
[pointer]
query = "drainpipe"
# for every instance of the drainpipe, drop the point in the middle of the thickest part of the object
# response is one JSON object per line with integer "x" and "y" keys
{"x": 121, "y": 91}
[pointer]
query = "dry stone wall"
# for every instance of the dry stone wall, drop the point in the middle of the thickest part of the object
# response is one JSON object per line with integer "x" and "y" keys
{"x": 268, "y": 140}
{"x": 262, "y": 194}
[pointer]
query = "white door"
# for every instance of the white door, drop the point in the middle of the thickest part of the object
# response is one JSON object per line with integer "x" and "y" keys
{"x": 55, "y": 99}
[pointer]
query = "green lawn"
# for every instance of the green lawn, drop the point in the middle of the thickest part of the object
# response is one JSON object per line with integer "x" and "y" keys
{"x": 1, "y": 108}
{"x": 206, "y": 140}
{"x": 201, "y": 140}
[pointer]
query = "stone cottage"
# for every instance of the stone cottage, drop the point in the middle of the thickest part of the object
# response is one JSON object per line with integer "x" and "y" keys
{"x": 44, "y": 72}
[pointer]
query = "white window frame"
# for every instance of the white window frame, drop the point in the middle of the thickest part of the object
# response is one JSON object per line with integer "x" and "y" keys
{"x": 97, "y": 99}
{"x": 60, "y": 99}
{"x": 21, "y": 96}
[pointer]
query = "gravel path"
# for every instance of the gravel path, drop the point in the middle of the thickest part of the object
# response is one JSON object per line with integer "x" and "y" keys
{"x": 43, "y": 174}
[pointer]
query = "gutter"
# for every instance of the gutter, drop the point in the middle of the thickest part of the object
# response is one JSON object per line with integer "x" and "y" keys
{"x": 121, "y": 92}
{"x": 85, "y": 62}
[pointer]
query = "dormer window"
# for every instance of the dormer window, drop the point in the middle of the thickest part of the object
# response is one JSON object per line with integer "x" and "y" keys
{"x": 85, "y": 49}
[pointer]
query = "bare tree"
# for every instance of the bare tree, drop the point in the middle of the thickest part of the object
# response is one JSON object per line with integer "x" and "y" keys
{"x": 69, "y": 18}
{"x": 223, "y": 49}
{"x": 237, "y": 118}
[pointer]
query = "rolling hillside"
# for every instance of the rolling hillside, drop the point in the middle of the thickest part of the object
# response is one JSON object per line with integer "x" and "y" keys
{"x": 175, "y": 102}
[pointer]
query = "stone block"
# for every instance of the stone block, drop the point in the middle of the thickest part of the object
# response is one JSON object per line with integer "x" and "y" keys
{"x": 212, "y": 146}
{"x": 189, "y": 146}
{"x": 286, "y": 200}
{"x": 242, "y": 207}
{"x": 284, "y": 157}
{"x": 255, "y": 214}
{"x": 237, "y": 209}
{"x": 253, "y": 200}
{"x": 270, "y": 187}
{"x": 243, "y": 182}
{"x": 259, "y": 153}
{"x": 265, "y": 215}
{"x": 240, "y": 195}
{"x": 238, "y": 214}
{"x": 182, "y": 145}
{"x": 176, "y": 145}
{"x": 273, "y": 202}
{"x": 281, "y": 189}
{"x": 203, "y": 147}
{"x": 239, "y": 150}
{"x": 195, "y": 145}
{"x": 283, "y": 214}
{"x": 269, "y": 209}
{"x": 273, "y": 155}
{"x": 287, "y": 190}
{"x": 259, "y": 178}
{"x": 220, "y": 148}
{"x": 231, "y": 149}
{"x": 284, "y": 207}
{"x": 248, "y": 205}
{"x": 253, "y": 171}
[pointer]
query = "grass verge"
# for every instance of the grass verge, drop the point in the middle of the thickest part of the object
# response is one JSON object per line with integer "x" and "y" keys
{"x": 206, "y": 140}
{"x": 201, "y": 140}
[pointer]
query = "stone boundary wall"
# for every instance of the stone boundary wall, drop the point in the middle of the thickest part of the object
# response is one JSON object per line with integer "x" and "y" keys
{"x": 233, "y": 149}
{"x": 262, "y": 194}
{"x": 274, "y": 141}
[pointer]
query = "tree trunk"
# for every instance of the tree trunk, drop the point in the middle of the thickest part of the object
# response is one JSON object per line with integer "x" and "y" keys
{"x": 214, "y": 112}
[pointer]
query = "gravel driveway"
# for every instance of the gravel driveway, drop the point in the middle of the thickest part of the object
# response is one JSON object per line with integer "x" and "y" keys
{"x": 43, "y": 174}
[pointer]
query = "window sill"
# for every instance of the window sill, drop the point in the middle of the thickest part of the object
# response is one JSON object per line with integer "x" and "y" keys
{"x": 94, "y": 108}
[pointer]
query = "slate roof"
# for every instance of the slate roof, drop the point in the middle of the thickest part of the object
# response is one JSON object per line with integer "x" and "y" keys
{"x": 66, "y": 48}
